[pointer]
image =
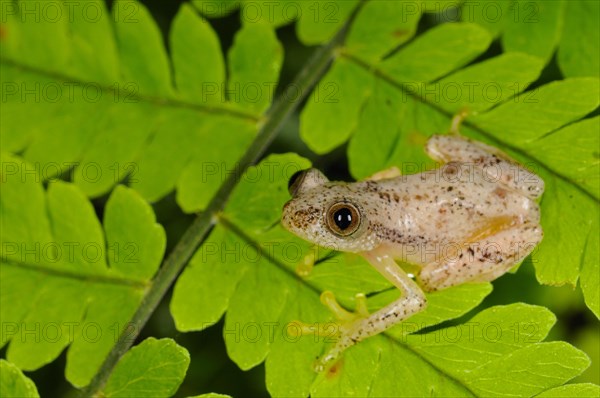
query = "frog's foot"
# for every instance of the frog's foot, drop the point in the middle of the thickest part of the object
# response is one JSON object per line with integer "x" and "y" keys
{"x": 341, "y": 314}
{"x": 497, "y": 166}
{"x": 344, "y": 325}
{"x": 392, "y": 172}
{"x": 357, "y": 326}
{"x": 457, "y": 121}
{"x": 343, "y": 317}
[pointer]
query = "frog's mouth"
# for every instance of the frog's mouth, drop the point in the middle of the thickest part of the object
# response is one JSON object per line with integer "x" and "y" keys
{"x": 286, "y": 217}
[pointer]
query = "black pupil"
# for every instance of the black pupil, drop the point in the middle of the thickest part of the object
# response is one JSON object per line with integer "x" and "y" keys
{"x": 343, "y": 218}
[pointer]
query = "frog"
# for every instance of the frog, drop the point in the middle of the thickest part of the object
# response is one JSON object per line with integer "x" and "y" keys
{"x": 471, "y": 219}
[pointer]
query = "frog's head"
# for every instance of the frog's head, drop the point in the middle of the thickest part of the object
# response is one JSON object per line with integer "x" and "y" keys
{"x": 329, "y": 214}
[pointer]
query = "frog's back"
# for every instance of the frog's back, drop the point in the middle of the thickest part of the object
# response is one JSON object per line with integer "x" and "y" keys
{"x": 451, "y": 200}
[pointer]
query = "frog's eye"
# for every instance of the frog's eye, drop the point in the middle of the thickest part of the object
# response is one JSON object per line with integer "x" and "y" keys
{"x": 343, "y": 218}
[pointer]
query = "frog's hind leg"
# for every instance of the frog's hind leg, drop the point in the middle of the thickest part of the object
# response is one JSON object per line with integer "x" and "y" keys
{"x": 481, "y": 261}
{"x": 497, "y": 166}
{"x": 412, "y": 301}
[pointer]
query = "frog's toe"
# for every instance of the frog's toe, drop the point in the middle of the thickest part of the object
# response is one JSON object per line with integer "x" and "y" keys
{"x": 341, "y": 314}
{"x": 305, "y": 267}
{"x": 298, "y": 328}
{"x": 457, "y": 121}
{"x": 343, "y": 318}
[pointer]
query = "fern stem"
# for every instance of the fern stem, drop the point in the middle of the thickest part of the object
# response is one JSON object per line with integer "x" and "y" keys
{"x": 195, "y": 235}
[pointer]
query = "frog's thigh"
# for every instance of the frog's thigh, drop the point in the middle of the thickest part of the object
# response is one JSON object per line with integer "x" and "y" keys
{"x": 481, "y": 261}
{"x": 497, "y": 166}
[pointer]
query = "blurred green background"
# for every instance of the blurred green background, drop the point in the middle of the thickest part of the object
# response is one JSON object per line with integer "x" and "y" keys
{"x": 210, "y": 369}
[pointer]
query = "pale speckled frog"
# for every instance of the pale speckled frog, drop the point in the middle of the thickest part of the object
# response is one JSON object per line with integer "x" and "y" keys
{"x": 470, "y": 220}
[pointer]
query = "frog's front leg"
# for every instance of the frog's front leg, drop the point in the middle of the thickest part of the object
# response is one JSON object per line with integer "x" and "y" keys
{"x": 497, "y": 165}
{"x": 412, "y": 301}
